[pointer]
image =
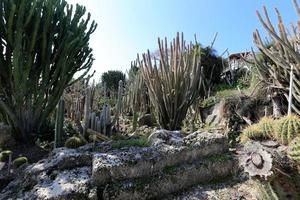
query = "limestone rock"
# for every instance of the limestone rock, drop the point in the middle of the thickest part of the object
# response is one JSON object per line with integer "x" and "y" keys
{"x": 166, "y": 137}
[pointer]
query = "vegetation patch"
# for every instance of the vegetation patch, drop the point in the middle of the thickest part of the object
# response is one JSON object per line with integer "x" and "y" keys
{"x": 137, "y": 142}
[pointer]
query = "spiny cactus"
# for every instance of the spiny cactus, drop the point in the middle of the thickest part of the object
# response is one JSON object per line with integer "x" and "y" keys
{"x": 294, "y": 150}
{"x": 59, "y": 123}
{"x": 4, "y": 155}
{"x": 251, "y": 132}
{"x": 75, "y": 142}
{"x": 174, "y": 81}
{"x": 266, "y": 127}
{"x": 43, "y": 44}
{"x": 19, "y": 161}
{"x": 265, "y": 190}
{"x": 287, "y": 128}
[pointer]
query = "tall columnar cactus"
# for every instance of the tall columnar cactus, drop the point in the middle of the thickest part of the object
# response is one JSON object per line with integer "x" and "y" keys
{"x": 287, "y": 128}
{"x": 59, "y": 123}
{"x": 279, "y": 65}
{"x": 43, "y": 44}
{"x": 87, "y": 111}
{"x": 174, "y": 82}
{"x": 294, "y": 150}
{"x": 118, "y": 110}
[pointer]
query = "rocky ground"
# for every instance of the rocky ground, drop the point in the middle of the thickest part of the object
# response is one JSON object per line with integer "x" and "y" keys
{"x": 229, "y": 190}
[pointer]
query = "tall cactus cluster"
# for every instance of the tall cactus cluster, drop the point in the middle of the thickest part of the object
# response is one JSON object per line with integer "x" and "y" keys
{"x": 43, "y": 44}
{"x": 136, "y": 100}
{"x": 174, "y": 80}
{"x": 280, "y": 66}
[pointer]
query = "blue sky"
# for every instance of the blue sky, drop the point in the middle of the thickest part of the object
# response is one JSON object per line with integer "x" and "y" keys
{"x": 128, "y": 27}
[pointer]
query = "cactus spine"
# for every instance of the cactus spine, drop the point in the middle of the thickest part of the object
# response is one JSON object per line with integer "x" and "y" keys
{"x": 294, "y": 150}
{"x": 59, "y": 123}
{"x": 287, "y": 128}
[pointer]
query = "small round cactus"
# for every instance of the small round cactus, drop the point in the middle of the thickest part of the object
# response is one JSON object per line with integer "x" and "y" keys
{"x": 4, "y": 155}
{"x": 294, "y": 150}
{"x": 287, "y": 128}
{"x": 75, "y": 142}
{"x": 266, "y": 127}
{"x": 251, "y": 132}
{"x": 19, "y": 161}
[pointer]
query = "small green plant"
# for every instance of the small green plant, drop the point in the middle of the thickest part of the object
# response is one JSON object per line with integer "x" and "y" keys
{"x": 294, "y": 150}
{"x": 287, "y": 128}
{"x": 140, "y": 142}
{"x": 251, "y": 132}
{"x": 19, "y": 161}
{"x": 266, "y": 127}
{"x": 74, "y": 142}
{"x": 4, "y": 155}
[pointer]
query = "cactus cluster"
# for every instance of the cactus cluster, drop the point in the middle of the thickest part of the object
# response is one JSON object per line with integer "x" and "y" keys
{"x": 294, "y": 150}
{"x": 287, "y": 128}
{"x": 174, "y": 81}
{"x": 75, "y": 142}
{"x": 19, "y": 161}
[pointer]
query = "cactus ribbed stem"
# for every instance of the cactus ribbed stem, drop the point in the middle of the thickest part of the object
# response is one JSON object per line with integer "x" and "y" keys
{"x": 59, "y": 123}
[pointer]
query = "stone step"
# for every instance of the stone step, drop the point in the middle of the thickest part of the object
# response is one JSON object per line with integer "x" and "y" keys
{"x": 171, "y": 179}
{"x": 137, "y": 162}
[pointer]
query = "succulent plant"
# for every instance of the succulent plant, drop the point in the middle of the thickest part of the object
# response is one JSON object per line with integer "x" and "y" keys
{"x": 19, "y": 161}
{"x": 287, "y": 128}
{"x": 265, "y": 190}
{"x": 294, "y": 150}
{"x": 266, "y": 125}
{"x": 75, "y": 142}
{"x": 4, "y": 155}
{"x": 251, "y": 132}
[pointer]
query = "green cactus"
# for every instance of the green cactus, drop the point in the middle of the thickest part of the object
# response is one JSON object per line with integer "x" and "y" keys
{"x": 294, "y": 150}
{"x": 266, "y": 127}
{"x": 59, "y": 123}
{"x": 287, "y": 128}
{"x": 265, "y": 190}
{"x": 4, "y": 155}
{"x": 43, "y": 44}
{"x": 75, "y": 142}
{"x": 251, "y": 132}
{"x": 19, "y": 161}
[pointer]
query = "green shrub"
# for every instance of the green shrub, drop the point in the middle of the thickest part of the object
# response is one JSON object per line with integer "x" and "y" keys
{"x": 140, "y": 142}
